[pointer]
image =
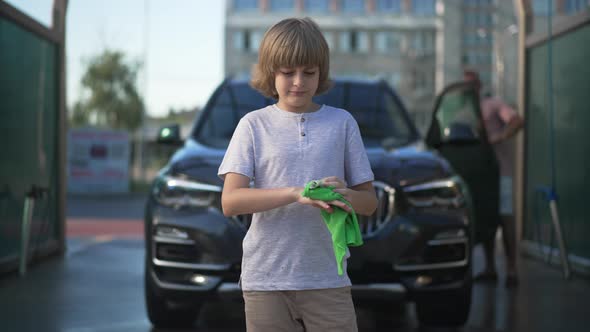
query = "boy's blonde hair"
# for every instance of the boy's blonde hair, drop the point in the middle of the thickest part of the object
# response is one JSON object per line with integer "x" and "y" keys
{"x": 290, "y": 43}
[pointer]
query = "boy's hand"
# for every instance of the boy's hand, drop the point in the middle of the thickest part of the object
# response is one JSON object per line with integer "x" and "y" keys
{"x": 346, "y": 193}
{"x": 333, "y": 181}
{"x": 324, "y": 205}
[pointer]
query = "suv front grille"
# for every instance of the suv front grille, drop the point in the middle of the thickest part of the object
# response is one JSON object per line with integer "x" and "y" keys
{"x": 444, "y": 253}
{"x": 384, "y": 213}
{"x": 177, "y": 252}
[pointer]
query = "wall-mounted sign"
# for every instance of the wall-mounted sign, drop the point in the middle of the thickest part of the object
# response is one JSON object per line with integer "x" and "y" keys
{"x": 98, "y": 161}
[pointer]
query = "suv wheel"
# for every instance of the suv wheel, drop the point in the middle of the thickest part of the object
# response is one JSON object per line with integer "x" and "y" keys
{"x": 161, "y": 314}
{"x": 389, "y": 315}
{"x": 450, "y": 309}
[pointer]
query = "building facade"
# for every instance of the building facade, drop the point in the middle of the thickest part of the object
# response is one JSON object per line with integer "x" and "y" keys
{"x": 418, "y": 46}
{"x": 391, "y": 39}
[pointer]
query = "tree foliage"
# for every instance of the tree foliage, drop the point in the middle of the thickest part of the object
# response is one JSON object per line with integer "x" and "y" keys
{"x": 110, "y": 97}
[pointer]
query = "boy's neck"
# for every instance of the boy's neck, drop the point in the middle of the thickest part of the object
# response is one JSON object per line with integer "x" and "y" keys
{"x": 310, "y": 108}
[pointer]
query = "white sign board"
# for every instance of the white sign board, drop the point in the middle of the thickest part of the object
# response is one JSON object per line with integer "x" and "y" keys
{"x": 98, "y": 161}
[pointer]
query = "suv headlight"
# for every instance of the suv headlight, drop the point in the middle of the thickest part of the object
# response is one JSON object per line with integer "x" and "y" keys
{"x": 446, "y": 193}
{"x": 176, "y": 192}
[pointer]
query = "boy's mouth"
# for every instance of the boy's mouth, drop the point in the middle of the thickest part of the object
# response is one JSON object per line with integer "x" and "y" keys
{"x": 297, "y": 93}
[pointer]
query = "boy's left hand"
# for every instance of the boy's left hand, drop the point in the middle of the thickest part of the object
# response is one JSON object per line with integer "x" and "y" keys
{"x": 346, "y": 193}
{"x": 333, "y": 181}
{"x": 339, "y": 187}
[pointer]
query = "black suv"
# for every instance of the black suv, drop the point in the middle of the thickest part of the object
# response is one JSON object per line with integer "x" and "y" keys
{"x": 418, "y": 243}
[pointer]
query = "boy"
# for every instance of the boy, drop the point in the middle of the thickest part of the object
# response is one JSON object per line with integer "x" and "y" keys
{"x": 290, "y": 279}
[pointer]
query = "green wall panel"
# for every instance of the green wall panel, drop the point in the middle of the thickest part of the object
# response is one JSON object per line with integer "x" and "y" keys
{"x": 571, "y": 83}
{"x": 28, "y": 137}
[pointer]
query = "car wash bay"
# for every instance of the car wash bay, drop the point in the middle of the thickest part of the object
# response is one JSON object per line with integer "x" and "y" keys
{"x": 87, "y": 255}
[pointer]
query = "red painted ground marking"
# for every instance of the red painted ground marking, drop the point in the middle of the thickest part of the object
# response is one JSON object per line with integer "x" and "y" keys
{"x": 100, "y": 227}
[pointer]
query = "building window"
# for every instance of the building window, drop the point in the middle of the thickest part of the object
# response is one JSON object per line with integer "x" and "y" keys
{"x": 477, "y": 3}
{"x": 477, "y": 19}
{"x": 329, "y": 36}
{"x": 238, "y": 40}
{"x": 245, "y": 5}
{"x": 395, "y": 79}
{"x": 362, "y": 42}
{"x": 354, "y": 42}
{"x": 477, "y": 39}
{"x": 486, "y": 59}
{"x": 485, "y": 19}
{"x": 477, "y": 58}
{"x": 353, "y": 6}
{"x": 575, "y": 6}
{"x": 317, "y": 6}
{"x": 247, "y": 41}
{"x": 421, "y": 82}
{"x": 423, "y": 41}
{"x": 469, "y": 39}
{"x": 485, "y": 76}
{"x": 388, "y": 42}
{"x": 467, "y": 18}
{"x": 540, "y": 7}
{"x": 255, "y": 39}
{"x": 389, "y": 6}
{"x": 344, "y": 44}
{"x": 281, "y": 5}
{"x": 424, "y": 7}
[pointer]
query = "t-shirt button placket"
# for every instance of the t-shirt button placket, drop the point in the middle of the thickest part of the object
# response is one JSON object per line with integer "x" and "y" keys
{"x": 302, "y": 127}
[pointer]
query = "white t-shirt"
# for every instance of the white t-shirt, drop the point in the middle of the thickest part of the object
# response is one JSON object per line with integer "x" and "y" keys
{"x": 290, "y": 247}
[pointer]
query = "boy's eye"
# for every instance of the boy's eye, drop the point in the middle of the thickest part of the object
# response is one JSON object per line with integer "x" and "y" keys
{"x": 286, "y": 72}
{"x": 310, "y": 73}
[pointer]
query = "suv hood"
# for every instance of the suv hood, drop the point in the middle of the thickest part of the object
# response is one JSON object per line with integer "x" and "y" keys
{"x": 407, "y": 165}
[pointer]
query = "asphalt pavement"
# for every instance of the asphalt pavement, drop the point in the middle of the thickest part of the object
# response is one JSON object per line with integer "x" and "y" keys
{"x": 98, "y": 286}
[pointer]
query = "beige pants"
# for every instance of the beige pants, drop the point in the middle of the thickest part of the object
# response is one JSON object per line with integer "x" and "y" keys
{"x": 318, "y": 310}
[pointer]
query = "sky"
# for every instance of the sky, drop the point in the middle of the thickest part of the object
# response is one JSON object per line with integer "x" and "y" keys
{"x": 184, "y": 46}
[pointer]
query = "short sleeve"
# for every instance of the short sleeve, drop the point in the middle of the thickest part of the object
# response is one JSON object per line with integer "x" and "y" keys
{"x": 239, "y": 157}
{"x": 357, "y": 168}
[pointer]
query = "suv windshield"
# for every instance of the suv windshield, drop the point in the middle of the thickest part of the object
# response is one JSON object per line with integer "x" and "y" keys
{"x": 380, "y": 116}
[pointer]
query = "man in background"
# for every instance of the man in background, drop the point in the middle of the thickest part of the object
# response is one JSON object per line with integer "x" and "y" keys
{"x": 501, "y": 122}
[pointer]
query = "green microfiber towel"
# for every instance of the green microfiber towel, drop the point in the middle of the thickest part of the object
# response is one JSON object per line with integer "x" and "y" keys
{"x": 342, "y": 225}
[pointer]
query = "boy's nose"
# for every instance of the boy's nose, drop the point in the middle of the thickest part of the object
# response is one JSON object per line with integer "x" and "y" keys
{"x": 298, "y": 80}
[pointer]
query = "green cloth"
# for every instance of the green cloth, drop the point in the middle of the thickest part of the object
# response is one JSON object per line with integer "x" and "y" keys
{"x": 342, "y": 225}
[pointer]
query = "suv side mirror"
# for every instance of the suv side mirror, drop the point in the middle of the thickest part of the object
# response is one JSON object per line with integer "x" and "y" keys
{"x": 169, "y": 135}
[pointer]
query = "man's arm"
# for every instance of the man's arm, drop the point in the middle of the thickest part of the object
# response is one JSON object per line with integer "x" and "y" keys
{"x": 513, "y": 126}
{"x": 513, "y": 123}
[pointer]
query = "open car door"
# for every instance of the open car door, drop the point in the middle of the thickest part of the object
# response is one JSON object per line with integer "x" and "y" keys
{"x": 458, "y": 133}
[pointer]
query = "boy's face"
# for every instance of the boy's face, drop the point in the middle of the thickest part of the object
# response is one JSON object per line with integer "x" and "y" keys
{"x": 296, "y": 86}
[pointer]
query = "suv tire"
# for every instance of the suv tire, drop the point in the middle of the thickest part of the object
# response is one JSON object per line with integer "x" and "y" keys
{"x": 161, "y": 314}
{"x": 450, "y": 309}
